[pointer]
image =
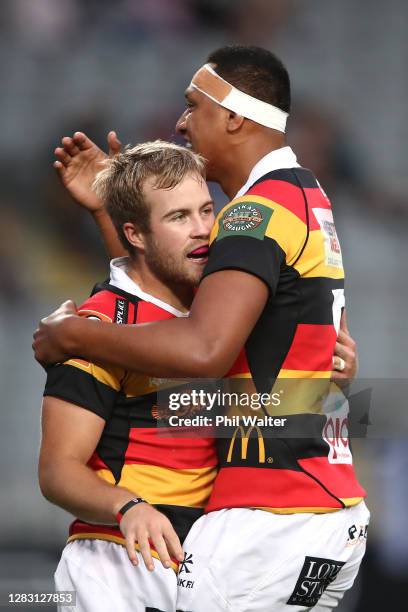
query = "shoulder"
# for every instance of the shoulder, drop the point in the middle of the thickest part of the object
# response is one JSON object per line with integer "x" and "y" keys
{"x": 107, "y": 305}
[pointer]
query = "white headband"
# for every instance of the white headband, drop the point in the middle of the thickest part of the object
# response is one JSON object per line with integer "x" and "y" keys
{"x": 220, "y": 91}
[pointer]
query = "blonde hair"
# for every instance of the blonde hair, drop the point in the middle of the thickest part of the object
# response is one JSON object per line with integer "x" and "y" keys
{"x": 120, "y": 183}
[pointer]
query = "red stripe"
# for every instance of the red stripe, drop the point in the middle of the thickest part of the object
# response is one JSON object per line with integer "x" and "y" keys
{"x": 148, "y": 312}
{"x": 77, "y": 527}
{"x": 148, "y": 447}
{"x": 291, "y": 197}
{"x": 105, "y": 303}
{"x": 240, "y": 366}
{"x": 96, "y": 463}
{"x": 339, "y": 478}
{"x": 273, "y": 488}
{"x": 312, "y": 348}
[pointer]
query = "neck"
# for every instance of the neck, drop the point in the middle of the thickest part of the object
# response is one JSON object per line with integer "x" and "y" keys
{"x": 177, "y": 295}
{"x": 243, "y": 155}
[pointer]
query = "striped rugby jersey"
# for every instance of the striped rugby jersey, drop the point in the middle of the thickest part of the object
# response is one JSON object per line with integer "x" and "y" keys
{"x": 280, "y": 228}
{"x": 175, "y": 474}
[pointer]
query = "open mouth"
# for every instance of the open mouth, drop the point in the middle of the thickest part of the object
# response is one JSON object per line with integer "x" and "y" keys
{"x": 200, "y": 254}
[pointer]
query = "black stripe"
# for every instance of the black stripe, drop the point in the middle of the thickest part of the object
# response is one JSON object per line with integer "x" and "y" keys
{"x": 273, "y": 334}
{"x": 114, "y": 440}
{"x": 105, "y": 286}
{"x": 317, "y": 299}
{"x": 303, "y": 176}
{"x": 298, "y": 180}
{"x": 78, "y": 387}
{"x": 262, "y": 258}
{"x": 181, "y": 517}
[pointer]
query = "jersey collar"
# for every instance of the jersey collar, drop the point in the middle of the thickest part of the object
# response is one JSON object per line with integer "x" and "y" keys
{"x": 120, "y": 279}
{"x": 275, "y": 160}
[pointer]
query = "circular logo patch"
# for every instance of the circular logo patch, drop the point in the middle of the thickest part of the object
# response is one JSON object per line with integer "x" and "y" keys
{"x": 241, "y": 218}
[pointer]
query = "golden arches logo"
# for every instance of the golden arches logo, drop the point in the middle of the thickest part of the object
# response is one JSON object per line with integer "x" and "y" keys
{"x": 245, "y": 435}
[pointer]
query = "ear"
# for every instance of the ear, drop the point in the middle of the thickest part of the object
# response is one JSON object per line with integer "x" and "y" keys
{"x": 234, "y": 121}
{"x": 134, "y": 236}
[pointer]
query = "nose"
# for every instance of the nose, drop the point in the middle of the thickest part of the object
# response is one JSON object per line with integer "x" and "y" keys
{"x": 202, "y": 226}
{"x": 181, "y": 124}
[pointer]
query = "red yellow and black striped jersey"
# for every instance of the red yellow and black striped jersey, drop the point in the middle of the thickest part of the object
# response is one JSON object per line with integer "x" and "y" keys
{"x": 175, "y": 474}
{"x": 281, "y": 229}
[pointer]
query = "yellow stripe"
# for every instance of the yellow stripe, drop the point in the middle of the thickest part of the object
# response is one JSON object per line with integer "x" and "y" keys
{"x": 116, "y": 540}
{"x": 348, "y": 501}
{"x": 351, "y": 501}
{"x": 304, "y": 374}
{"x": 171, "y": 486}
{"x": 311, "y": 509}
{"x": 312, "y": 264}
{"x": 292, "y": 374}
{"x": 285, "y": 227}
{"x": 110, "y": 376}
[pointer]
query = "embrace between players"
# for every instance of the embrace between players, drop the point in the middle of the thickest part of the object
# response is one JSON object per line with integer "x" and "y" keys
{"x": 288, "y": 532}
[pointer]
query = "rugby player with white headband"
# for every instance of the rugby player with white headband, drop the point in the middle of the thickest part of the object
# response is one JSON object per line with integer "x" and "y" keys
{"x": 285, "y": 527}
{"x": 208, "y": 82}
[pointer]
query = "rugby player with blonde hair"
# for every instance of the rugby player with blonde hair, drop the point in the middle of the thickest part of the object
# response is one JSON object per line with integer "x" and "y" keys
{"x": 134, "y": 492}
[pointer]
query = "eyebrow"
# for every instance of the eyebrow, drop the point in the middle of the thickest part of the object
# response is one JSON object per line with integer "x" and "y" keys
{"x": 188, "y": 92}
{"x": 179, "y": 210}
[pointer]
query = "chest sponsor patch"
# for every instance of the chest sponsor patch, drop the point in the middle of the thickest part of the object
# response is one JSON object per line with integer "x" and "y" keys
{"x": 121, "y": 311}
{"x": 245, "y": 219}
{"x": 314, "y": 578}
{"x": 331, "y": 242}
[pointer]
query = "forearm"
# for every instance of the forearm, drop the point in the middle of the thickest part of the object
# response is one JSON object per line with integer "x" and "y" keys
{"x": 173, "y": 348}
{"x": 109, "y": 234}
{"x": 79, "y": 490}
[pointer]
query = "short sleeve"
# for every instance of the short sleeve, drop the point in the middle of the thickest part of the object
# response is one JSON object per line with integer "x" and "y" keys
{"x": 93, "y": 387}
{"x": 240, "y": 242}
{"x": 85, "y": 385}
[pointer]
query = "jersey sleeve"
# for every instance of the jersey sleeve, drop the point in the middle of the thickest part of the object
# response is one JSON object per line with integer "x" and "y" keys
{"x": 241, "y": 240}
{"x": 91, "y": 386}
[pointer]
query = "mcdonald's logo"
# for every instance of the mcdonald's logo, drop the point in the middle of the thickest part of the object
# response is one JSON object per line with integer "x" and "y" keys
{"x": 245, "y": 435}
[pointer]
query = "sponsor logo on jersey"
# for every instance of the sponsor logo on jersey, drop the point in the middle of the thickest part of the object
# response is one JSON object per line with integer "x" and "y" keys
{"x": 245, "y": 435}
{"x": 357, "y": 534}
{"x": 336, "y": 429}
{"x": 331, "y": 242}
{"x": 121, "y": 311}
{"x": 314, "y": 578}
{"x": 186, "y": 584}
{"x": 245, "y": 219}
{"x": 242, "y": 217}
{"x": 185, "y": 566}
{"x": 188, "y": 560}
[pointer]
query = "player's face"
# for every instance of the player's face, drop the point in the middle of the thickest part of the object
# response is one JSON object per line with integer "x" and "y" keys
{"x": 202, "y": 126}
{"x": 181, "y": 219}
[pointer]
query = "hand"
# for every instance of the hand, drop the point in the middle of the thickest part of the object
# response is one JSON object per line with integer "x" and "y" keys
{"x": 345, "y": 360}
{"x": 50, "y": 345}
{"x": 143, "y": 523}
{"x": 78, "y": 162}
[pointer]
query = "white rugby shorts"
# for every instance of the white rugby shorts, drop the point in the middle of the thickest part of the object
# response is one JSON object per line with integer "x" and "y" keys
{"x": 247, "y": 560}
{"x": 106, "y": 581}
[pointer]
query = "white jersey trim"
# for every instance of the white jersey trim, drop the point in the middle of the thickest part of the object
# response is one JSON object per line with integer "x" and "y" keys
{"x": 275, "y": 160}
{"x": 119, "y": 278}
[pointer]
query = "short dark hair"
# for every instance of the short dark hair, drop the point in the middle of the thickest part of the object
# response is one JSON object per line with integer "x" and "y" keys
{"x": 255, "y": 71}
